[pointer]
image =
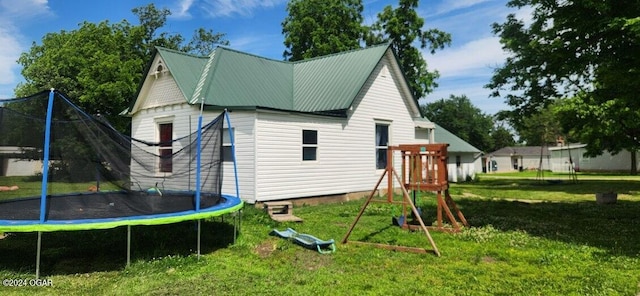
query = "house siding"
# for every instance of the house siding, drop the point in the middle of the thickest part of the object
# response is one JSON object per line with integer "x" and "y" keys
{"x": 243, "y": 124}
{"x": 165, "y": 103}
{"x": 620, "y": 162}
{"x": 346, "y": 147}
{"x": 467, "y": 168}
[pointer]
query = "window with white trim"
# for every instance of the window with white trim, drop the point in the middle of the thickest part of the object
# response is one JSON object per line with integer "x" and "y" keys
{"x": 382, "y": 143}
{"x": 309, "y": 145}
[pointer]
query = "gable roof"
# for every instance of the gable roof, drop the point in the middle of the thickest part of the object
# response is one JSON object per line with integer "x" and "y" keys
{"x": 233, "y": 79}
{"x": 521, "y": 151}
{"x": 456, "y": 144}
{"x": 188, "y": 68}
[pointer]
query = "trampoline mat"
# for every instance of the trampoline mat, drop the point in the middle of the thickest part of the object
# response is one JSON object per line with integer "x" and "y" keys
{"x": 104, "y": 205}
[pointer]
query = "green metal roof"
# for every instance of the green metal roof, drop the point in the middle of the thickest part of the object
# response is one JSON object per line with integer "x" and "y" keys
{"x": 185, "y": 68}
{"x": 230, "y": 78}
{"x": 456, "y": 144}
{"x": 332, "y": 82}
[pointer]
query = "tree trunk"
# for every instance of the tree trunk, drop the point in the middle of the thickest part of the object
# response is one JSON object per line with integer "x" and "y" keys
{"x": 634, "y": 167}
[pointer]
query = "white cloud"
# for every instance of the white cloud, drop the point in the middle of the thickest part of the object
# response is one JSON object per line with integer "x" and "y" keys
{"x": 13, "y": 15}
{"x": 215, "y": 8}
{"x": 451, "y": 5}
{"x": 9, "y": 53}
{"x": 474, "y": 58}
{"x": 24, "y": 9}
{"x": 181, "y": 11}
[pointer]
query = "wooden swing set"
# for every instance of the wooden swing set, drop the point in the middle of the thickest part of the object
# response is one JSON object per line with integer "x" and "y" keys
{"x": 423, "y": 168}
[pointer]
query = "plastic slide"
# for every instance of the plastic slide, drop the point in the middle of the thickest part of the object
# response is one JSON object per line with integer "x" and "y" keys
{"x": 306, "y": 240}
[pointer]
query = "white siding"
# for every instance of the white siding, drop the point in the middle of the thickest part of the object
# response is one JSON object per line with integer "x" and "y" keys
{"x": 19, "y": 167}
{"x": 421, "y": 136}
{"x": 620, "y": 162}
{"x": 467, "y": 168}
{"x": 346, "y": 147}
{"x": 243, "y": 123}
{"x": 165, "y": 103}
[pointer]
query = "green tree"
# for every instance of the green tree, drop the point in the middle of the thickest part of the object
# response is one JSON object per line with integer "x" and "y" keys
{"x": 606, "y": 125}
{"x": 458, "y": 115}
{"x": 100, "y": 66}
{"x": 501, "y": 137}
{"x": 584, "y": 51}
{"x": 320, "y": 27}
{"x": 540, "y": 129}
{"x": 402, "y": 27}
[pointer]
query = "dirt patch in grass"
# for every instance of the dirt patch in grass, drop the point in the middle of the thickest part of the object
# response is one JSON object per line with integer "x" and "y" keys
{"x": 266, "y": 248}
{"x": 488, "y": 259}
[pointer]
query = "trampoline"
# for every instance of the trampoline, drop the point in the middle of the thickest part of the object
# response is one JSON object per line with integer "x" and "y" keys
{"x": 104, "y": 210}
{"x": 94, "y": 177}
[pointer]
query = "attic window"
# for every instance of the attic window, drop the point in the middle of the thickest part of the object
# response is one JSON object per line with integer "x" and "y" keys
{"x": 159, "y": 70}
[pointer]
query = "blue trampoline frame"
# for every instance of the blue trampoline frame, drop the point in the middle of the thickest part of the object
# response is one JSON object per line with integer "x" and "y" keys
{"x": 228, "y": 203}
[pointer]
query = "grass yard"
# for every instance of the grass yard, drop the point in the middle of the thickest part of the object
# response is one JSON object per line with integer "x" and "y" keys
{"x": 527, "y": 238}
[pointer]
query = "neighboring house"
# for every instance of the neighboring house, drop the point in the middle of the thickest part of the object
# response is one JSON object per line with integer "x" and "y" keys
{"x": 561, "y": 156}
{"x": 13, "y": 164}
{"x": 514, "y": 158}
{"x": 302, "y": 129}
{"x": 464, "y": 159}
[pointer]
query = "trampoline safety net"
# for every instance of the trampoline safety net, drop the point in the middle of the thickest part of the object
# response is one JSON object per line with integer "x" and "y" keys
{"x": 94, "y": 171}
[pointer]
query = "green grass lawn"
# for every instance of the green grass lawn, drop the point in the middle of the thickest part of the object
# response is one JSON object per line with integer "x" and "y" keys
{"x": 526, "y": 238}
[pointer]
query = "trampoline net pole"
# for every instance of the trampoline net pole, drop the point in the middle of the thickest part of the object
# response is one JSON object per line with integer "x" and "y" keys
{"x": 233, "y": 151}
{"x": 45, "y": 158}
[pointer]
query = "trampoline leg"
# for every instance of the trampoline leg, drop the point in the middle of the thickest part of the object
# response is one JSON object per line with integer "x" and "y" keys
{"x": 199, "y": 225}
{"x": 128, "y": 245}
{"x": 236, "y": 218}
{"x": 39, "y": 245}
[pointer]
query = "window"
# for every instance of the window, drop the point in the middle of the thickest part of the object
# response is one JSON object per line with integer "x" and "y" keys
{"x": 458, "y": 161}
{"x": 227, "y": 151}
{"x": 382, "y": 141}
{"x": 166, "y": 147}
{"x": 309, "y": 145}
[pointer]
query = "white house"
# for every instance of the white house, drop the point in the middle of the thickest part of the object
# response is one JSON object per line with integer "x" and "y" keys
{"x": 13, "y": 164}
{"x": 514, "y": 158}
{"x": 464, "y": 159}
{"x": 302, "y": 129}
{"x": 563, "y": 156}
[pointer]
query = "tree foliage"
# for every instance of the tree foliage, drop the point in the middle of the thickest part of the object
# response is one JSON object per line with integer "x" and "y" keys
{"x": 320, "y": 27}
{"x": 584, "y": 51}
{"x": 458, "y": 115}
{"x": 402, "y": 27}
{"x": 501, "y": 137}
{"x": 100, "y": 66}
{"x": 541, "y": 128}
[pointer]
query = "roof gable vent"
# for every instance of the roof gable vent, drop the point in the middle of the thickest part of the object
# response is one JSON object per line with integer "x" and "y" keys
{"x": 160, "y": 69}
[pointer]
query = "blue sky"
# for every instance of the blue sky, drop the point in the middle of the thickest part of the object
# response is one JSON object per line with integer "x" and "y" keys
{"x": 254, "y": 26}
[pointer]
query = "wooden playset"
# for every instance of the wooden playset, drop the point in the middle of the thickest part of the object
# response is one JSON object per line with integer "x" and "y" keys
{"x": 423, "y": 168}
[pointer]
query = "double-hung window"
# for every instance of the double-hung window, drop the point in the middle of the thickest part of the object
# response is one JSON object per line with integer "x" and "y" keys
{"x": 309, "y": 145}
{"x": 382, "y": 141}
